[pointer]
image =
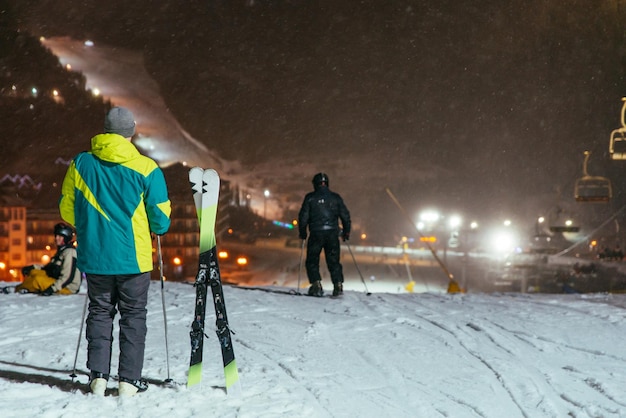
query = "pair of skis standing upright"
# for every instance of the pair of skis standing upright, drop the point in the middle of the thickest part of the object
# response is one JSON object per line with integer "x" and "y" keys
{"x": 205, "y": 185}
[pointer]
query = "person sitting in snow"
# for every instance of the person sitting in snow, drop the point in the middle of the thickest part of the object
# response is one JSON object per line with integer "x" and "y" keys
{"x": 60, "y": 275}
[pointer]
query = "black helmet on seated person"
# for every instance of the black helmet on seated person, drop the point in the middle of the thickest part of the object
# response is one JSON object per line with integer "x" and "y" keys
{"x": 320, "y": 179}
{"x": 64, "y": 230}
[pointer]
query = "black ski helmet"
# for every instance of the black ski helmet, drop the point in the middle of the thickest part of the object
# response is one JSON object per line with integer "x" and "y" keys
{"x": 65, "y": 231}
{"x": 320, "y": 179}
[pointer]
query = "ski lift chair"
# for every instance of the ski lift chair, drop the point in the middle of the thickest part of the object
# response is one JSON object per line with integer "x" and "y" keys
{"x": 592, "y": 188}
{"x": 617, "y": 145}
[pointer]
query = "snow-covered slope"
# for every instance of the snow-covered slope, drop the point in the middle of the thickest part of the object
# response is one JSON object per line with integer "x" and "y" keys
{"x": 384, "y": 355}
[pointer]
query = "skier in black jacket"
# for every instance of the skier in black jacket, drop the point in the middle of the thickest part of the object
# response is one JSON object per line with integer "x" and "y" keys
{"x": 321, "y": 211}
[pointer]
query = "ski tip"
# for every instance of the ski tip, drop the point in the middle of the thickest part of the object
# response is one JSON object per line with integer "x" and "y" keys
{"x": 195, "y": 375}
{"x": 234, "y": 390}
{"x": 231, "y": 374}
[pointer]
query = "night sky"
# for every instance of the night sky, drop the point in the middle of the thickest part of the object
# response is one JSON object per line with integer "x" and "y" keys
{"x": 481, "y": 107}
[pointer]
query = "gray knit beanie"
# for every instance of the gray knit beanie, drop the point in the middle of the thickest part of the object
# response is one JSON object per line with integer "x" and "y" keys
{"x": 120, "y": 121}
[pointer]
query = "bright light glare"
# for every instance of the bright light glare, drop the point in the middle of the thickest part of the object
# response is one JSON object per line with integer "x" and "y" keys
{"x": 503, "y": 242}
{"x": 455, "y": 221}
{"x": 429, "y": 216}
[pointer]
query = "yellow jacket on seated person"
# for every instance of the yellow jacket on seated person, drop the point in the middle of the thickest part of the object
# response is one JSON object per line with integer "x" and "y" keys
{"x": 60, "y": 275}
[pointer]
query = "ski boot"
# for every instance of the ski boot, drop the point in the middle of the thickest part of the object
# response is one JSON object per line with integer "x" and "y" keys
{"x": 98, "y": 383}
{"x": 316, "y": 289}
{"x": 130, "y": 387}
{"x": 338, "y": 289}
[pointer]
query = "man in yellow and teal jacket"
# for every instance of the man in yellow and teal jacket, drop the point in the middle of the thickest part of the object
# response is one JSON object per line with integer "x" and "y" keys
{"x": 116, "y": 198}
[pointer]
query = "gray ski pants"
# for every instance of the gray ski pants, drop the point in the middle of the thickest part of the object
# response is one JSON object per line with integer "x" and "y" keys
{"x": 107, "y": 294}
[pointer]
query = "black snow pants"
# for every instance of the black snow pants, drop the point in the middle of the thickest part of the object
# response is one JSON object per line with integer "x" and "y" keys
{"x": 329, "y": 242}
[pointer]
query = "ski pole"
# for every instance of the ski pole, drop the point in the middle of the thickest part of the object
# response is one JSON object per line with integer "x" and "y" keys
{"x": 80, "y": 334}
{"x": 300, "y": 268}
{"x": 367, "y": 292}
{"x": 167, "y": 351}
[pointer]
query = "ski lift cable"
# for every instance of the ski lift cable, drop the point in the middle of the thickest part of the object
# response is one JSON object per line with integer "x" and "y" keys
{"x": 441, "y": 264}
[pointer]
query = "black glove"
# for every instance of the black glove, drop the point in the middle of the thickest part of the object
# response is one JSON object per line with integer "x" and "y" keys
{"x": 345, "y": 236}
{"x": 302, "y": 235}
{"x": 49, "y": 291}
{"x": 26, "y": 270}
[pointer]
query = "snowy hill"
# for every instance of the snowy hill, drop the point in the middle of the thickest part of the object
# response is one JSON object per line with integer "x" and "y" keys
{"x": 384, "y": 355}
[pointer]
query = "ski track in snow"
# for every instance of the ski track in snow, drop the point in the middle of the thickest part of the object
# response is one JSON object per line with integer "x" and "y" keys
{"x": 525, "y": 383}
{"x": 384, "y": 355}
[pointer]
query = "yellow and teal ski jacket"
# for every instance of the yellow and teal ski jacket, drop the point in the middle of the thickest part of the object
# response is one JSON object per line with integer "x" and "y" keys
{"x": 114, "y": 197}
